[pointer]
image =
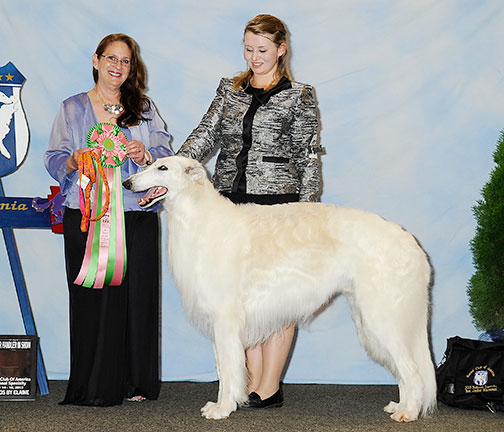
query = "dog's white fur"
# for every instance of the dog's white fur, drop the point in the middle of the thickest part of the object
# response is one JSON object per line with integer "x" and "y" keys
{"x": 244, "y": 272}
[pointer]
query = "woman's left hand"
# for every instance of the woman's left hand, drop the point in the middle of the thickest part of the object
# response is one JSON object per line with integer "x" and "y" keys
{"x": 136, "y": 151}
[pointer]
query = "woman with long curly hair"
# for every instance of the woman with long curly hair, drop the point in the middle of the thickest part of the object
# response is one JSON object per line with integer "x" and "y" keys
{"x": 114, "y": 330}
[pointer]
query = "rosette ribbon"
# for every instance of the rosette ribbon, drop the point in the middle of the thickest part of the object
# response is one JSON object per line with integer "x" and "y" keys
{"x": 105, "y": 257}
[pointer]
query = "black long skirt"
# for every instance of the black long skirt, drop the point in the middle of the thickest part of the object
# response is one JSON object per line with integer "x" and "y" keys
{"x": 114, "y": 331}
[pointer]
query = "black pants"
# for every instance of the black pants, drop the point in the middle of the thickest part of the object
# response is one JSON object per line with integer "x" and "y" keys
{"x": 114, "y": 331}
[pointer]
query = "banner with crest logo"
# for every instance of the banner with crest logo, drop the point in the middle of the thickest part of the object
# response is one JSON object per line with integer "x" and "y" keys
{"x": 13, "y": 126}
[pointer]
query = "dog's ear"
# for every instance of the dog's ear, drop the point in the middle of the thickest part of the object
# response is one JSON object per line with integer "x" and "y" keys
{"x": 196, "y": 174}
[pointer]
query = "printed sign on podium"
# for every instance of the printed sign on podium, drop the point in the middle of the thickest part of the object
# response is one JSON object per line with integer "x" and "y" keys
{"x": 18, "y": 367}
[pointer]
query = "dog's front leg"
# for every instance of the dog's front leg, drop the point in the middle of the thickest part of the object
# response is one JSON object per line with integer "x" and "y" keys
{"x": 230, "y": 360}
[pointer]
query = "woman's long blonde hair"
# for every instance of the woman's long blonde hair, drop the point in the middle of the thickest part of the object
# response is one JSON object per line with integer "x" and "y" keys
{"x": 277, "y": 33}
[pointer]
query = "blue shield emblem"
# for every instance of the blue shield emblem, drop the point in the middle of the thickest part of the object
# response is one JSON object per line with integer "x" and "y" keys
{"x": 480, "y": 377}
{"x": 13, "y": 126}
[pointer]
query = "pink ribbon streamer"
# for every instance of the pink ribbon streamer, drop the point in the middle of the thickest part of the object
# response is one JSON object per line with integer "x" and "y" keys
{"x": 101, "y": 271}
{"x": 120, "y": 240}
{"x": 79, "y": 280}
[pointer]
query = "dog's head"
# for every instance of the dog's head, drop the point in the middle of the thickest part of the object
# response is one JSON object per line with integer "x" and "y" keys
{"x": 165, "y": 179}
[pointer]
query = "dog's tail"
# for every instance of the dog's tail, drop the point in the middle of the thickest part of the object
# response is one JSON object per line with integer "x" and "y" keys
{"x": 427, "y": 372}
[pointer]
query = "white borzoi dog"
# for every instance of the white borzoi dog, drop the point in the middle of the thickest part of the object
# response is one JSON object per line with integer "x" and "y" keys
{"x": 247, "y": 271}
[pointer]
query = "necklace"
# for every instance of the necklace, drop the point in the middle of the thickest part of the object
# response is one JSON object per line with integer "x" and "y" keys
{"x": 114, "y": 109}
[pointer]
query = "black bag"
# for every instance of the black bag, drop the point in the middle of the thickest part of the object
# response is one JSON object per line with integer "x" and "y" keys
{"x": 472, "y": 374}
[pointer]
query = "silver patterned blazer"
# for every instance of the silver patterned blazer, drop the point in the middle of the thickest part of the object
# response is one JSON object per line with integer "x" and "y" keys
{"x": 268, "y": 140}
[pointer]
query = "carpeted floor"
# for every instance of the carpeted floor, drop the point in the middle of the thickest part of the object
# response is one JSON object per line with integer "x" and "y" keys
{"x": 308, "y": 407}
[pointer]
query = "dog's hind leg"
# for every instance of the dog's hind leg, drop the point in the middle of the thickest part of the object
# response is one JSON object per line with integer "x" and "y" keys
{"x": 393, "y": 407}
{"x": 411, "y": 363}
{"x": 397, "y": 358}
{"x": 230, "y": 359}
{"x": 427, "y": 399}
{"x": 398, "y": 342}
{"x": 410, "y": 390}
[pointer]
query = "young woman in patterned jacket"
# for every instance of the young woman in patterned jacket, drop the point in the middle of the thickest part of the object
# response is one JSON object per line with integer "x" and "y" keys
{"x": 266, "y": 128}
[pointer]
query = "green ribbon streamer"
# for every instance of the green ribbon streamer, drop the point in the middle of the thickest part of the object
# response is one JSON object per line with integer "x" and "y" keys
{"x": 95, "y": 251}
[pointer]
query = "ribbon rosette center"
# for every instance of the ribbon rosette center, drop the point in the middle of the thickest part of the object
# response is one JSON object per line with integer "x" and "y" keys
{"x": 108, "y": 144}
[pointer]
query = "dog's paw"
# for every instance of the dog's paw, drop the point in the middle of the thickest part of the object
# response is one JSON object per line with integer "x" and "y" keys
{"x": 215, "y": 411}
{"x": 405, "y": 416}
{"x": 392, "y": 407}
{"x": 206, "y": 407}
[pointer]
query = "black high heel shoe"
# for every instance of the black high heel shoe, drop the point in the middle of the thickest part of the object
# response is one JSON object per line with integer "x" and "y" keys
{"x": 255, "y": 401}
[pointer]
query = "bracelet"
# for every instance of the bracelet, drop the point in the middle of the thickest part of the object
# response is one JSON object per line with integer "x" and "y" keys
{"x": 148, "y": 157}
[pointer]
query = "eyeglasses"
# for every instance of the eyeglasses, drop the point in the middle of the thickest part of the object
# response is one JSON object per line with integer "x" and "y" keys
{"x": 114, "y": 60}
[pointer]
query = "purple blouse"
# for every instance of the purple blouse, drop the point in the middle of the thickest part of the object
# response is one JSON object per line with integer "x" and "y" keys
{"x": 69, "y": 132}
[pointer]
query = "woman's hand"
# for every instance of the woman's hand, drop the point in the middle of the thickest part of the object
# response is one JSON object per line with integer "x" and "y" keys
{"x": 136, "y": 151}
{"x": 73, "y": 160}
